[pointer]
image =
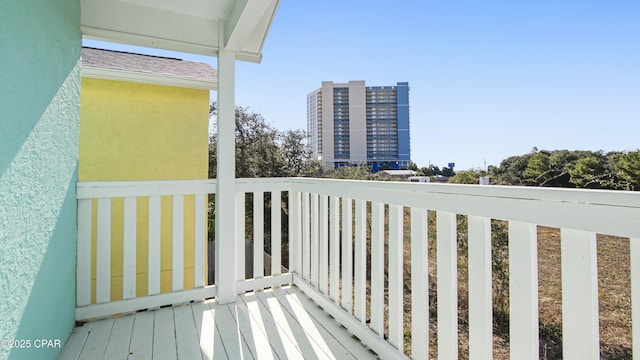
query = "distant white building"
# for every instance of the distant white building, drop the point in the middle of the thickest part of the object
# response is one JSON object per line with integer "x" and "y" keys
{"x": 396, "y": 174}
{"x": 419, "y": 179}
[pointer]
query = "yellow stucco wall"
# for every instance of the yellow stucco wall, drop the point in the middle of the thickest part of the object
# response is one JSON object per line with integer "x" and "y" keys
{"x": 133, "y": 131}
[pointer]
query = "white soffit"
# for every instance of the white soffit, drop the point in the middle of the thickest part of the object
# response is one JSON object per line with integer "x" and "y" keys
{"x": 191, "y": 26}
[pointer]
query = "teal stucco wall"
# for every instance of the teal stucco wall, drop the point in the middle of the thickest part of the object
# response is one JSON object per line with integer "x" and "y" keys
{"x": 40, "y": 46}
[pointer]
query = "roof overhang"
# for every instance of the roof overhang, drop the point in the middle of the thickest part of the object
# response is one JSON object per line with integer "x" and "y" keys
{"x": 145, "y": 78}
{"x": 191, "y": 26}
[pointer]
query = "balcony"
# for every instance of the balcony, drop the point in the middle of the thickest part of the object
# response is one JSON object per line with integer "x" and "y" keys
{"x": 319, "y": 263}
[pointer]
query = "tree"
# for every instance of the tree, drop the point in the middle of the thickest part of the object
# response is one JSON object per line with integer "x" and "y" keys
{"x": 467, "y": 177}
{"x": 257, "y": 153}
{"x": 297, "y": 157}
{"x": 510, "y": 170}
{"x": 570, "y": 168}
{"x": 263, "y": 151}
{"x": 448, "y": 172}
{"x": 593, "y": 172}
{"x": 628, "y": 168}
{"x": 538, "y": 170}
{"x": 428, "y": 171}
{"x": 551, "y": 168}
{"x": 351, "y": 172}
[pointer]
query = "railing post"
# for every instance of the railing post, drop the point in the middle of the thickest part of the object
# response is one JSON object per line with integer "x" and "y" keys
{"x": 419, "y": 284}
{"x": 523, "y": 291}
{"x": 323, "y": 269}
{"x": 241, "y": 261}
{"x": 480, "y": 290}
{"x": 634, "y": 244}
{"x": 276, "y": 233}
{"x": 360, "y": 262}
{"x": 83, "y": 274}
{"x": 295, "y": 255}
{"x": 258, "y": 234}
{"x": 334, "y": 249}
{"x": 178, "y": 243}
{"x": 377, "y": 268}
{"x": 226, "y": 168}
{"x": 447, "y": 269}
{"x": 580, "y": 322}
{"x": 103, "y": 247}
{"x": 396, "y": 314}
{"x": 313, "y": 279}
{"x": 154, "y": 251}
{"x": 200, "y": 239}
{"x": 306, "y": 237}
{"x": 129, "y": 249}
{"x": 347, "y": 254}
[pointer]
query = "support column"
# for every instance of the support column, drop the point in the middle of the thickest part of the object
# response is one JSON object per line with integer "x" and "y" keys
{"x": 226, "y": 174}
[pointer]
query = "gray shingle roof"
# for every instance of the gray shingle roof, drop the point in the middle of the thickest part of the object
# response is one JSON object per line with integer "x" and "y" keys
{"x": 147, "y": 64}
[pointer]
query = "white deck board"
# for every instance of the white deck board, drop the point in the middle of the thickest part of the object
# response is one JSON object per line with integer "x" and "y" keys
{"x": 350, "y": 347}
{"x": 273, "y": 324}
{"x": 265, "y": 321}
{"x": 320, "y": 340}
{"x": 118, "y": 345}
{"x": 187, "y": 343}
{"x": 254, "y": 337}
{"x": 210, "y": 342}
{"x": 77, "y": 339}
{"x": 289, "y": 329}
{"x": 164, "y": 335}
{"x": 96, "y": 343}
{"x": 141, "y": 346}
{"x": 232, "y": 338}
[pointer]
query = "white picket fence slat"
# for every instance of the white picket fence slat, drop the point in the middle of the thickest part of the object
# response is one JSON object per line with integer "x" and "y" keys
{"x": 480, "y": 290}
{"x": 360, "y": 262}
{"x": 377, "y": 268}
{"x": 347, "y": 254}
{"x": 523, "y": 291}
{"x": 580, "y": 322}
{"x": 419, "y": 284}
{"x": 447, "y": 270}
{"x": 130, "y": 241}
{"x": 177, "y": 256}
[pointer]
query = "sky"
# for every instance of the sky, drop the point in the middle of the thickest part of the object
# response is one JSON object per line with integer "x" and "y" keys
{"x": 488, "y": 79}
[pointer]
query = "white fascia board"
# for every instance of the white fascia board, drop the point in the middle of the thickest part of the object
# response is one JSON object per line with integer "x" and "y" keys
{"x": 247, "y": 27}
{"x": 138, "y": 77}
{"x": 249, "y": 57}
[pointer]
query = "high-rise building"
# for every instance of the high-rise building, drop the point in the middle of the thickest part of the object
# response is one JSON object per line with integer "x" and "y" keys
{"x": 355, "y": 124}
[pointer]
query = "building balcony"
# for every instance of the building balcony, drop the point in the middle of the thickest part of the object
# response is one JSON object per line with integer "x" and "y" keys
{"x": 320, "y": 263}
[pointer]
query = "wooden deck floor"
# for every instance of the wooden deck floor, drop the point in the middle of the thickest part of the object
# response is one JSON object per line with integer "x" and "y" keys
{"x": 274, "y": 324}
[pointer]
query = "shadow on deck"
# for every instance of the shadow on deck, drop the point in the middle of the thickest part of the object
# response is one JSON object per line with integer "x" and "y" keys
{"x": 281, "y": 323}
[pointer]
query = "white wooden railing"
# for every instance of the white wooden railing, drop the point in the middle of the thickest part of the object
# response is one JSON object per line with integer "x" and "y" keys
{"x": 96, "y": 216}
{"x": 322, "y": 214}
{"x": 326, "y": 209}
{"x": 96, "y": 219}
{"x": 258, "y": 188}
